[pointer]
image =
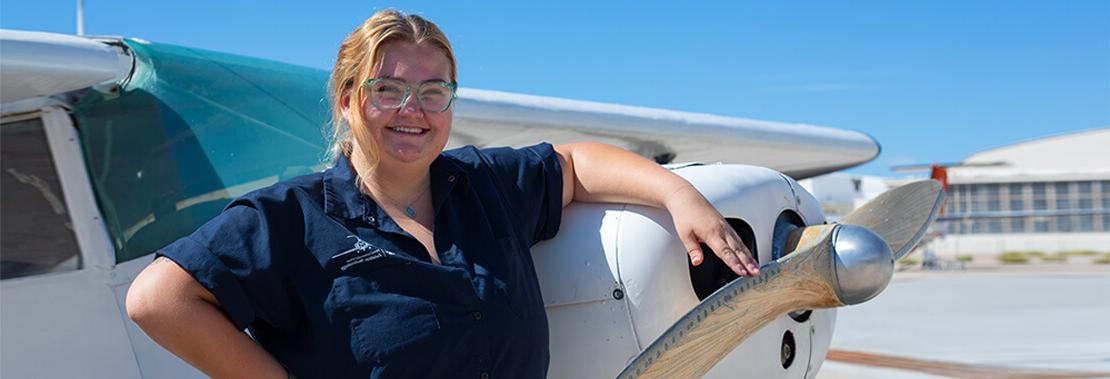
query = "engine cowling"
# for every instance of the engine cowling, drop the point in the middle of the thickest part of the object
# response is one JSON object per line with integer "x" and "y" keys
{"x": 616, "y": 276}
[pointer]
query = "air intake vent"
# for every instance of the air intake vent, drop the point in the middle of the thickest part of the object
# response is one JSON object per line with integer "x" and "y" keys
{"x": 713, "y": 274}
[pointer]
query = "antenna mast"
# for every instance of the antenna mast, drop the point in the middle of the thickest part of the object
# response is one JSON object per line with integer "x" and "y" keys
{"x": 80, "y": 17}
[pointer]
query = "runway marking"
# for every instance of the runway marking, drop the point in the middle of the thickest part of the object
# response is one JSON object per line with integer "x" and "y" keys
{"x": 953, "y": 369}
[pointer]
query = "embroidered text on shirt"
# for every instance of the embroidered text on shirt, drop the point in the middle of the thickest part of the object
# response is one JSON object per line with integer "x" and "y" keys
{"x": 368, "y": 253}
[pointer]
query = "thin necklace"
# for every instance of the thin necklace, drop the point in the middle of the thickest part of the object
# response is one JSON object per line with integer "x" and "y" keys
{"x": 408, "y": 208}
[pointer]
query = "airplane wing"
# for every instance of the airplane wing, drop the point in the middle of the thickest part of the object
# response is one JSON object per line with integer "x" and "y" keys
{"x": 37, "y": 66}
{"x": 501, "y": 118}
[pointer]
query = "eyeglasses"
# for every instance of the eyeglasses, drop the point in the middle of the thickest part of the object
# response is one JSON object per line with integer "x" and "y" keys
{"x": 390, "y": 93}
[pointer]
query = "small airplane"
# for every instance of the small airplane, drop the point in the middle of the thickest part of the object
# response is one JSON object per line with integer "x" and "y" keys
{"x": 114, "y": 147}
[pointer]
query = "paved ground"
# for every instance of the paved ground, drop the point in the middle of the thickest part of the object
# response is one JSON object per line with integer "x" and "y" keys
{"x": 1046, "y": 319}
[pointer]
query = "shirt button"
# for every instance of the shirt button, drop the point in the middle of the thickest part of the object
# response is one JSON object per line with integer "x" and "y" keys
{"x": 484, "y": 375}
{"x": 477, "y": 316}
{"x": 451, "y": 178}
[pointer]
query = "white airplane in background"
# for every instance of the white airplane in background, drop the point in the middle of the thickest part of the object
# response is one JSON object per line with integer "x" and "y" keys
{"x": 114, "y": 147}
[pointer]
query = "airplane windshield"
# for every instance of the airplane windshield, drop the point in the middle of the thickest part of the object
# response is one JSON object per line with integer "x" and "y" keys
{"x": 191, "y": 130}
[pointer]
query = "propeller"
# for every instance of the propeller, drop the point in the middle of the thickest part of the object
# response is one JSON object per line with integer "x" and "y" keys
{"x": 901, "y": 215}
{"x": 829, "y": 266}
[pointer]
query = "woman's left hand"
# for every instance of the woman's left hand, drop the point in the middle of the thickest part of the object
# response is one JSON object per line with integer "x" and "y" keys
{"x": 697, "y": 222}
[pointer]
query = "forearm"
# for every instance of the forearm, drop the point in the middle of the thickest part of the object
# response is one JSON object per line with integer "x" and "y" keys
{"x": 603, "y": 173}
{"x": 193, "y": 328}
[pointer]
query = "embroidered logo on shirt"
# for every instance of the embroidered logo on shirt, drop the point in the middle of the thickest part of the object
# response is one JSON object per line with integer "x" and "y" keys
{"x": 362, "y": 252}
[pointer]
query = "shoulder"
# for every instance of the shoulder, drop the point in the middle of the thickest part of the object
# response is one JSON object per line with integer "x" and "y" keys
{"x": 470, "y": 157}
{"x": 467, "y": 157}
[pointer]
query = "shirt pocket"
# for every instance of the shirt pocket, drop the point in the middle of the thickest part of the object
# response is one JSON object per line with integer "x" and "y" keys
{"x": 519, "y": 283}
{"x": 383, "y": 324}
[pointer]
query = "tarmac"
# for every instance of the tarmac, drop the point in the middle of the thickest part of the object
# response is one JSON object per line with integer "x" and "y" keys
{"x": 1044, "y": 320}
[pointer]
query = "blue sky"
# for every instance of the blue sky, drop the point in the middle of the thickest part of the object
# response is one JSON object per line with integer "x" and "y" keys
{"x": 931, "y": 80}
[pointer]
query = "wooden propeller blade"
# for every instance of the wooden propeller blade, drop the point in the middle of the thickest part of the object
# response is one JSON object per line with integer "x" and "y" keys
{"x": 902, "y": 215}
{"x": 701, "y": 338}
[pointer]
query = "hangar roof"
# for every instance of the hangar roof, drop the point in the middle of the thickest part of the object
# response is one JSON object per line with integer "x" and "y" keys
{"x": 1082, "y": 155}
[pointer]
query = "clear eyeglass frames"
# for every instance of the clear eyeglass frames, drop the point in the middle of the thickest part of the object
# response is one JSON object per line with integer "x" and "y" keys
{"x": 390, "y": 93}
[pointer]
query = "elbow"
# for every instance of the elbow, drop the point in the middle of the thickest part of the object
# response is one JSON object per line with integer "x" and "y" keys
{"x": 139, "y": 302}
{"x": 162, "y": 292}
{"x": 151, "y": 295}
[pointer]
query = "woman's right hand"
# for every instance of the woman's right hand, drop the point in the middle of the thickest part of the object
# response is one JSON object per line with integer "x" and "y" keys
{"x": 180, "y": 314}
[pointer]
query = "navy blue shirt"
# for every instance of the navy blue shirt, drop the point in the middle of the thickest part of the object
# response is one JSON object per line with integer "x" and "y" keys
{"x": 331, "y": 286}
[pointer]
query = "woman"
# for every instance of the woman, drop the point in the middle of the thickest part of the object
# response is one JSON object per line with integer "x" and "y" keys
{"x": 402, "y": 259}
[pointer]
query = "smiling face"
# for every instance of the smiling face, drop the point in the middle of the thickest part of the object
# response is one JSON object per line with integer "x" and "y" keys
{"x": 408, "y": 135}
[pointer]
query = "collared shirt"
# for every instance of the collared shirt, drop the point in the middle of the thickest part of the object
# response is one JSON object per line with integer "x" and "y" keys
{"x": 331, "y": 286}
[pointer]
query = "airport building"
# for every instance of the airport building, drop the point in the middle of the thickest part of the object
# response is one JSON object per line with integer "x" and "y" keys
{"x": 1047, "y": 195}
{"x": 839, "y": 193}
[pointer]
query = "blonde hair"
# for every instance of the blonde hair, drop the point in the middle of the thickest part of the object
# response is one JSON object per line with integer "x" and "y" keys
{"x": 359, "y": 56}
